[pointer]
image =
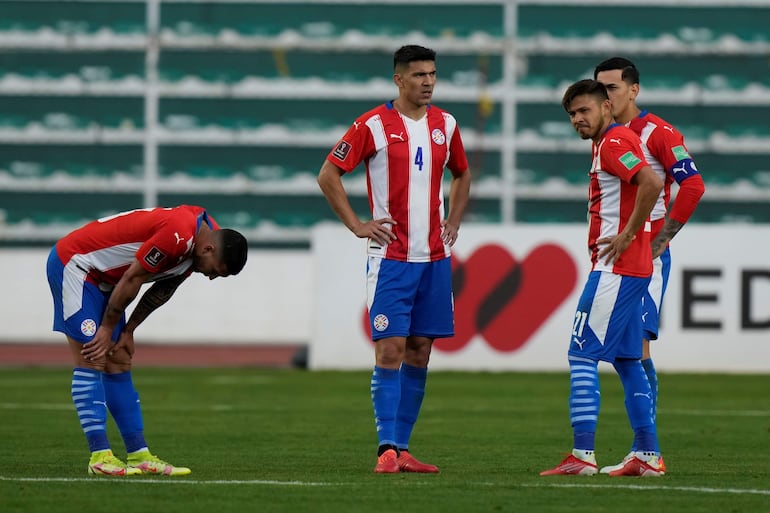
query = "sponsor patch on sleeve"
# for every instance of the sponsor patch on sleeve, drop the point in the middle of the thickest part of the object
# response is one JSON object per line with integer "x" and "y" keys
{"x": 342, "y": 150}
{"x": 629, "y": 160}
{"x": 680, "y": 153}
{"x": 154, "y": 257}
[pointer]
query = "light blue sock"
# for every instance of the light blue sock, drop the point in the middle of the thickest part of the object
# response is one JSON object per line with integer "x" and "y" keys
{"x": 652, "y": 377}
{"x": 412, "y": 393}
{"x": 386, "y": 392}
{"x": 88, "y": 396}
{"x": 123, "y": 402}
{"x": 584, "y": 401}
{"x": 638, "y": 395}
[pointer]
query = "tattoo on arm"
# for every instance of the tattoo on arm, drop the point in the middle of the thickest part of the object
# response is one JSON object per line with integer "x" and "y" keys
{"x": 670, "y": 229}
{"x": 158, "y": 294}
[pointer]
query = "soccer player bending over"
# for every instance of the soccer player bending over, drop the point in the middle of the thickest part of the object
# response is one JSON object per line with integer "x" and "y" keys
{"x": 94, "y": 273}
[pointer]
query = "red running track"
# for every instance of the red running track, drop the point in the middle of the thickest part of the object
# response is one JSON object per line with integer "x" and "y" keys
{"x": 161, "y": 355}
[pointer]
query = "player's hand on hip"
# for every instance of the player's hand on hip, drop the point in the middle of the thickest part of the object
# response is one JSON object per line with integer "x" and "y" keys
{"x": 449, "y": 233}
{"x": 377, "y": 230}
{"x": 614, "y": 246}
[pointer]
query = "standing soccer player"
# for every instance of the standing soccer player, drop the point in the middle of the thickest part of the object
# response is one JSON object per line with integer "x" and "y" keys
{"x": 94, "y": 273}
{"x": 665, "y": 151}
{"x": 405, "y": 144}
{"x": 623, "y": 190}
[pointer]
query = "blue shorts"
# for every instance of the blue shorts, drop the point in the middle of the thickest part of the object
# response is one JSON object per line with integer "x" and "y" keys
{"x": 606, "y": 324}
{"x": 653, "y": 298}
{"x": 410, "y": 298}
{"x": 83, "y": 301}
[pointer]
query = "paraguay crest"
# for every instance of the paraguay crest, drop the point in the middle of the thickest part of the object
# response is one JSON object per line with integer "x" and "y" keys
{"x": 438, "y": 136}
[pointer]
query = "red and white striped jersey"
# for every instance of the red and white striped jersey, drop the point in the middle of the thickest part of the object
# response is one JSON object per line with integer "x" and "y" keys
{"x": 161, "y": 239}
{"x": 405, "y": 161}
{"x": 611, "y": 199}
{"x": 665, "y": 151}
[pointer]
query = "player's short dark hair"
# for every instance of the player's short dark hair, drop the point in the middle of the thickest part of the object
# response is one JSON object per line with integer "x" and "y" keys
{"x": 411, "y": 53}
{"x": 234, "y": 250}
{"x": 629, "y": 73}
{"x": 581, "y": 87}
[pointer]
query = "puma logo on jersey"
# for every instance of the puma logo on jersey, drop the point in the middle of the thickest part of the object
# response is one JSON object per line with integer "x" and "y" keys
{"x": 615, "y": 140}
{"x": 666, "y": 127}
{"x": 178, "y": 238}
{"x": 356, "y": 124}
{"x": 400, "y": 136}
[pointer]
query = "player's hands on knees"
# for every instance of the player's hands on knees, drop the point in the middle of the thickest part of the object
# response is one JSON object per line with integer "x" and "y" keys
{"x": 96, "y": 349}
{"x": 377, "y": 230}
{"x": 122, "y": 351}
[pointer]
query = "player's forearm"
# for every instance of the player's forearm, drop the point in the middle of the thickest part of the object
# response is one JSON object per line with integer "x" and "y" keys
{"x": 670, "y": 228}
{"x": 155, "y": 297}
{"x": 331, "y": 185}
{"x": 122, "y": 295}
{"x": 646, "y": 196}
{"x": 459, "y": 196}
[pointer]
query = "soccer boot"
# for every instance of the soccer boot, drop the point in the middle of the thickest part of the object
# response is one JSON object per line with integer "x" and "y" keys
{"x": 573, "y": 466}
{"x": 408, "y": 463}
{"x": 387, "y": 463}
{"x": 147, "y": 463}
{"x": 639, "y": 465}
{"x": 105, "y": 463}
{"x": 618, "y": 466}
{"x": 610, "y": 468}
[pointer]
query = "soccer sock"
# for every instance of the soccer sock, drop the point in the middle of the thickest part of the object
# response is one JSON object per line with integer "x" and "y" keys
{"x": 638, "y": 403}
{"x": 412, "y": 392}
{"x": 88, "y": 396}
{"x": 123, "y": 402}
{"x": 386, "y": 391}
{"x": 652, "y": 377}
{"x": 584, "y": 400}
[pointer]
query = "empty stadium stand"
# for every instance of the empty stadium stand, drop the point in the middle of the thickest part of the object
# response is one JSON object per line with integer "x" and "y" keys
{"x": 110, "y": 105}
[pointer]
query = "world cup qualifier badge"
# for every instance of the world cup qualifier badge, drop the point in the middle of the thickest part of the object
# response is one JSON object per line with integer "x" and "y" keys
{"x": 88, "y": 327}
{"x": 380, "y": 322}
{"x": 154, "y": 257}
{"x": 341, "y": 150}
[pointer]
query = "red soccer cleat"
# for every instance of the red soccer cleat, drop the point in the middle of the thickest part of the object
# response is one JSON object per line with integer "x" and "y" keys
{"x": 637, "y": 467}
{"x": 572, "y": 466}
{"x": 387, "y": 463}
{"x": 408, "y": 463}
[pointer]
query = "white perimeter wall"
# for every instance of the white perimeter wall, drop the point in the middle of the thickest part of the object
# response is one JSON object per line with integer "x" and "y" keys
{"x": 716, "y": 315}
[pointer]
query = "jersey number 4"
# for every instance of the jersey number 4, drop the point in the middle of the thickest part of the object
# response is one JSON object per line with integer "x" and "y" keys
{"x": 418, "y": 158}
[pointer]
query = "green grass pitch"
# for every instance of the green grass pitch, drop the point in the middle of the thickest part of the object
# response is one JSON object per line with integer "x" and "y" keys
{"x": 298, "y": 441}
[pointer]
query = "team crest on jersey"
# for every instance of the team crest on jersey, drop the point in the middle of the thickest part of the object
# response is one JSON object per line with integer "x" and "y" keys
{"x": 154, "y": 257}
{"x": 438, "y": 136}
{"x": 88, "y": 327}
{"x": 342, "y": 150}
{"x": 381, "y": 322}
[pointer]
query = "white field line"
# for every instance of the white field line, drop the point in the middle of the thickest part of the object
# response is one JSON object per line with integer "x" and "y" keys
{"x": 270, "y": 482}
{"x": 694, "y": 489}
{"x": 164, "y": 481}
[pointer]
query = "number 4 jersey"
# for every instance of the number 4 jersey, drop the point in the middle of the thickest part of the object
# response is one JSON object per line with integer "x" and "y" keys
{"x": 405, "y": 161}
